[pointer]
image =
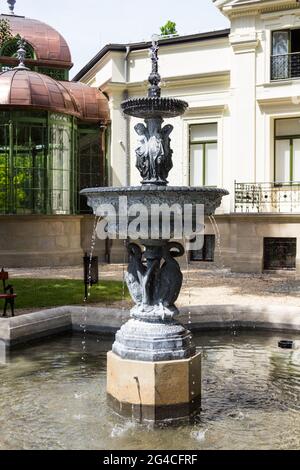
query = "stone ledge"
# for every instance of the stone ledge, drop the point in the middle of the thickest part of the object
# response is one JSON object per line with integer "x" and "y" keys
{"x": 30, "y": 326}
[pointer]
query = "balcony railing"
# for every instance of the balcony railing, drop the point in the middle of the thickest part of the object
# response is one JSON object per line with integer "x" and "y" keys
{"x": 285, "y": 66}
{"x": 267, "y": 198}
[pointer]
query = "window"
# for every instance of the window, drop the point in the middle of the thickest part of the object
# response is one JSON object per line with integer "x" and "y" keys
{"x": 10, "y": 49}
{"x": 60, "y": 166}
{"x": 287, "y": 150}
{"x": 91, "y": 162}
{"x": 280, "y": 253}
{"x": 207, "y": 253}
{"x": 29, "y": 167}
{"x": 37, "y": 163}
{"x": 204, "y": 155}
{"x": 57, "y": 74}
{"x": 285, "y": 59}
{"x": 45, "y": 159}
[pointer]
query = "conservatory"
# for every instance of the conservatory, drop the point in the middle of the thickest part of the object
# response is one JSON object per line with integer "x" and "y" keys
{"x": 52, "y": 143}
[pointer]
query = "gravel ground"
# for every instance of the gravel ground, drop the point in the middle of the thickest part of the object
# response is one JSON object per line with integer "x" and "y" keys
{"x": 203, "y": 285}
{"x": 221, "y": 287}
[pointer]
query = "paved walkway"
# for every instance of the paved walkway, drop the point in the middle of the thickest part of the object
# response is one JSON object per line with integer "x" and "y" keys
{"x": 203, "y": 285}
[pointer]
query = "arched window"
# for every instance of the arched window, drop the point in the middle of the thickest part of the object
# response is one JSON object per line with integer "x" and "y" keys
{"x": 10, "y": 48}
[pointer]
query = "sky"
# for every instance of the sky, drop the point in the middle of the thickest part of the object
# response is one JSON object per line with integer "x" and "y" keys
{"x": 88, "y": 25}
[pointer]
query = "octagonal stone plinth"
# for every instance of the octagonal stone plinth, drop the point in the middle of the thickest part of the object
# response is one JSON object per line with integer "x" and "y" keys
{"x": 154, "y": 391}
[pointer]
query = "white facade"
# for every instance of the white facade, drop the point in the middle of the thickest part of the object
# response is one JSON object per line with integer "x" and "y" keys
{"x": 228, "y": 81}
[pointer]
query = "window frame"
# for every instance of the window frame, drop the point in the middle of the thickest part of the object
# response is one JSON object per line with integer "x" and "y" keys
{"x": 204, "y": 144}
{"x": 291, "y": 138}
{"x": 291, "y": 66}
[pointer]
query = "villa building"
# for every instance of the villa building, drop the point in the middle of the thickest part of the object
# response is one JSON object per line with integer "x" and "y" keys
{"x": 242, "y": 129}
{"x": 52, "y": 139}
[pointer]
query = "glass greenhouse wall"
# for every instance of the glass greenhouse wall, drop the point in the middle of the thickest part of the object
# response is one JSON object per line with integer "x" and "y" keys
{"x": 44, "y": 162}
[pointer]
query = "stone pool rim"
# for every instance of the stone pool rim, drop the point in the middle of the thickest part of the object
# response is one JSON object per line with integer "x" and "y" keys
{"x": 107, "y": 321}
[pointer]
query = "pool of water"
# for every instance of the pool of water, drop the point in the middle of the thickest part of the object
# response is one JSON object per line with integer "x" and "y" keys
{"x": 52, "y": 396}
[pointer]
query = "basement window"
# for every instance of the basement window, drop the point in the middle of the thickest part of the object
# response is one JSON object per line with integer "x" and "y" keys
{"x": 280, "y": 253}
{"x": 207, "y": 253}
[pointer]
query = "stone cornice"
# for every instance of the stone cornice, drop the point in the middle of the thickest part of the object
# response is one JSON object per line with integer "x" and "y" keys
{"x": 212, "y": 78}
{"x": 187, "y": 80}
{"x": 233, "y": 10}
{"x": 215, "y": 110}
{"x": 275, "y": 105}
{"x": 243, "y": 45}
{"x": 273, "y": 7}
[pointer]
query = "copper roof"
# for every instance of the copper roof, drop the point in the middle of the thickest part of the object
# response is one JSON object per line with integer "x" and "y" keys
{"x": 48, "y": 44}
{"x": 24, "y": 88}
{"x": 92, "y": 103}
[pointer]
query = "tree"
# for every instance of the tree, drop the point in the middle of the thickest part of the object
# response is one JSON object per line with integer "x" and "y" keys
{"x": 169, "y": 29}
{"x": 5, "y": 32}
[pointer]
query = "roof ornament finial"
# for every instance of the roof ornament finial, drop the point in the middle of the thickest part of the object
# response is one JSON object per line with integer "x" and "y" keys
{"x": 11, "y": 4}
{"x": 21, "y": 54}
{"x": 154, "y": 78}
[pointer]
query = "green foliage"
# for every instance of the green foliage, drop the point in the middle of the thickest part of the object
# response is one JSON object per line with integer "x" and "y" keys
{"x": 5, "y": 31}
{"x": 169, "y": 29}
{"x": 21, "y": 182}
{"x": 3, "y": 183}
{"x": 41, "y": 293}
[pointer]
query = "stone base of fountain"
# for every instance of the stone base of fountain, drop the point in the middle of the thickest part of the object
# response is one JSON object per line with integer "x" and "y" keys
{"x": 154, "y": 391}
{"x": 153, "y": 341}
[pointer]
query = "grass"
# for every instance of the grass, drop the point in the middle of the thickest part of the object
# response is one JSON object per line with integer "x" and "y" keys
{"x": 40, "y": 293}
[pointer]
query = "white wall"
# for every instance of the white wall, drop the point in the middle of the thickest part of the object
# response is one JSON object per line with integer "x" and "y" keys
{"x": 225, "y": 80}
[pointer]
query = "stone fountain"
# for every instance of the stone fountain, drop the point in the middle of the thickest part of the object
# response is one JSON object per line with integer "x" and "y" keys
{"x": 154, "y": 371}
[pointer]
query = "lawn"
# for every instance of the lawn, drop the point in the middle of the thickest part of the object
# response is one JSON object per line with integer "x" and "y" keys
{"x": 40, "y": 293}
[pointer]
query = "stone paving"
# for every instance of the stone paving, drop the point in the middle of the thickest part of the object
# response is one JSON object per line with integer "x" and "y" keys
{"x": 203, "y": 285}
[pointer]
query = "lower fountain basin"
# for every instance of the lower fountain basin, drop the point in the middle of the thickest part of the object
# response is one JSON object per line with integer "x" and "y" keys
{"x": 250, "y": 397}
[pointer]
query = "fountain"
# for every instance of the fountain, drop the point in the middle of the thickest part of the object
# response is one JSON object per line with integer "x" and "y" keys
{"x": 154, "y": 370}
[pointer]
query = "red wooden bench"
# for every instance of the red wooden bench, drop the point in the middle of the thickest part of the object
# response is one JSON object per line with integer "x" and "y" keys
{"x": 8, "y": 294}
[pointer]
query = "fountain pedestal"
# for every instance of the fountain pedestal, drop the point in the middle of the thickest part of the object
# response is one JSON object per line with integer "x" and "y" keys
{"x": 154, "y": 391}
{"x": 153, "y": 370}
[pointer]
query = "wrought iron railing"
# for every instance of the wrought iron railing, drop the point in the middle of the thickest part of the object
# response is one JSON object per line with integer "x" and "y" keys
{"x": 285, "y": 66}
{"x": 267, "y": 197}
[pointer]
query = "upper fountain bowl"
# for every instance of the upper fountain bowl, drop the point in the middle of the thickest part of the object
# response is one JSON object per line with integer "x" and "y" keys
{"x": 153, "y": 107}
{"x": 210, "y": 198}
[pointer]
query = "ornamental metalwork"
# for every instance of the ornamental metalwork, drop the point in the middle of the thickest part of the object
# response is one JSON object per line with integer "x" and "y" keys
{"x": 285, "y": 66}
{"x": 267, "y": 197}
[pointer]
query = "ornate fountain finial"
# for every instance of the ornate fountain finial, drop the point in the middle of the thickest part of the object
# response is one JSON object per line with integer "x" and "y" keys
{"x": 11, "y": 4}
{"x": 154, "y": 153}
{"x": 21, "y": 54}
{"x": 154, "y": 77}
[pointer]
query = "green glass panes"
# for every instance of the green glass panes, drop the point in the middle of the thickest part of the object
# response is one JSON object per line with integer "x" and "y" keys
{"x": 4, "y": 165}
{"x": 57, "y": 74}
{"x": 10, "y": 49}
{"x": 37, "y": 167}
{"x": 91, "y": 170}
{"x": 45, "y": 161}
{"x": 29, "y": 168}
